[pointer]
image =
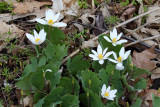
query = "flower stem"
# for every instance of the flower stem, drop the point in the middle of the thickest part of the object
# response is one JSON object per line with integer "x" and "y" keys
{"x": 123, "y": 78}
{"x": 37, "y": 50}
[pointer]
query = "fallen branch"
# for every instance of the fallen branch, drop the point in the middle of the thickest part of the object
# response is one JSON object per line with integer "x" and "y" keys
{"x": 138, "y": 41}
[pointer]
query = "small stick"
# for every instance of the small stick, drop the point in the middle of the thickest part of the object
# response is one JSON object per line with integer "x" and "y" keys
{"x": 71, "y": 55}
{"x": 138, "y": 41}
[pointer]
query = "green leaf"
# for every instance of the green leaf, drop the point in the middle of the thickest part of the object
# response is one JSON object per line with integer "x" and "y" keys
{"x": 155, "y": 100}
{"x": 139, "y": 71}
{"x": 37, "y": 80}
{"x": 54, "y": 96}
{"x": 39, "y": 103}
{"x": 24, "y": 83}
{"x": 54, "y": 78}
{"x": 137, "y": 103}
{"x": 71, "y": 85}
{"x": 77, "y": 64}
{"x": 42, "y": 61}
{"x": 141, "y": 84}
{"x": 116, "y": 83}
{"x": 54, "y": 52}
{"x": 96, "y": 66}
{"x": 113, "y": 104}
{"x": 1, "y": 104}
{"x": 38, "y": 96}
{"x": 29, "y": 68}
{"x": 93, "y": 99}
{"x": 90, "y": 80}
{"x": 104, "y": 77}
{"x": 70, "y": 101}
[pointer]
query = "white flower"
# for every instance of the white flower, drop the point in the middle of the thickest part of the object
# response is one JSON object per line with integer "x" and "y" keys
{"x": 37, "y": 39}
{"x": 100, "y": 55}
{"x": 114, "y": 38}
{"x": 119, "y": 61}
{"x": 107, "y": 93}
{"x": 51, "y": 19}
{"x": 48, "y": 70}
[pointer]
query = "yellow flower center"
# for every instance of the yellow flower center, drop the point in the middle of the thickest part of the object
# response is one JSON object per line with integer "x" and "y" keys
{"x": 106, "y": 94}
{"x": 119, "y": 59}
{"x": 114, "y": 40}
{"x": 100, "y": 56}
{"x": 50, "y": 22}
{"x": 37, "y": 40}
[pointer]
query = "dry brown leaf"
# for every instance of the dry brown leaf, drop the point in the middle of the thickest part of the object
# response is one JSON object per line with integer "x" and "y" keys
{"x": 154, "y": 15}
{"x": 143, "y": 59}
{"x": 89, "y": 44}
{"x": 85, "y": 19}
{"x": 5, "y": 28}
{"x": 28, "y": 101}
{"x": 152, "y": 32}
{"x": 8, "y": 17}
{"x": 128, "y": 13}
{"x": 27, "y": 7}
{"x": 148, "y": 97}
{"x": 69, "y": 7}
{"x": 155, "y": 73}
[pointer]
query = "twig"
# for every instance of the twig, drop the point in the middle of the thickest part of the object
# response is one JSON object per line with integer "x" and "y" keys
{"x": 138, "y": 41}
{"x": 89, "y": 26}
{"x": 141, "y": 43}
{"x": 121, "y": 24}
{"x": 71, "y": 55}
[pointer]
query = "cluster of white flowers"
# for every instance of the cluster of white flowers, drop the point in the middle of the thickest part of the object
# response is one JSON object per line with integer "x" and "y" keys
{"x": 51, "y": 19}
{"x": 102, "y": 55}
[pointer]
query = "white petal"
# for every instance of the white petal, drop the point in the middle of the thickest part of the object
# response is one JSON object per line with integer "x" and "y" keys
{"x": 55, "y": 18}
{"x": 49, "y": 14}
{"x": 108, "y": 89}
{"x": 99, "y": 49}
{"x": 93, "y": 56}
{"x": 42, "y": 35}
{"x": 105, "y": 37}
{"x": 48, "y": 70}
{"x": 114, "y": 44}
{"x": 126, "y": 55}
{"x": 112, "y": 60}
{"x": 119, "y": 36}
{"x": 114, "y": 34}
{"x": 121, "y": 41}
{"x": 121, "y": 52}
{"x": 103, "y": 90}
{"x": 105, "y": 50}
{"x": 113, "y": 92}
{"x": 101, "y": 62}
{"x": 119, "y": 66}
{"x": 41, "y": 21}
{"x": 35, "y": 34}
{"x": 115, "y": 55}
{"x": 59, "y": 24}
{"x": 111, "y": 35}
{"x": 30, "y": 37}
{"x": 110, "y": 99}
{"x": 112, "y": 96}
{"x": 107, "y": 54}
{"x": 94, "y": 52}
